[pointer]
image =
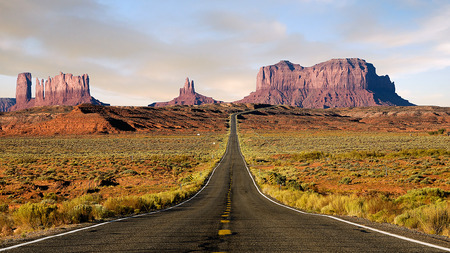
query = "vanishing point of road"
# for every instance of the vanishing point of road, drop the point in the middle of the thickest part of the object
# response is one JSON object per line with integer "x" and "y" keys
{"x": 228, "y": 215}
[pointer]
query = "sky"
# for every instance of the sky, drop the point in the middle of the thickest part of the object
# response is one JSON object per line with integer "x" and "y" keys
{"x": 140, "y": 51}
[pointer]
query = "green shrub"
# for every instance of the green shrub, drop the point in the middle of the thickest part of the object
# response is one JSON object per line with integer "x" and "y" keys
{"x": 407, "y": 219}
{"x": 313, "y": 155}
{"x": 80, "y": 213}
{"x": 345, "y": 180}
{"x": 418, "y": 197}
{"x": 37, "y": 215}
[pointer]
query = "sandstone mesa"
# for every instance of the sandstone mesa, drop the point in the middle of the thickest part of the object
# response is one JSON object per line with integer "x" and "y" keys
{"x": 350, "y": 82}
{"x": 63, "y": 89}
{"x": 334, "y": 83}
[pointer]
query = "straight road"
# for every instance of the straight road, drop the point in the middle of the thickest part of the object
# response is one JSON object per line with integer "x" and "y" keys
{"x": 228, "y": 215}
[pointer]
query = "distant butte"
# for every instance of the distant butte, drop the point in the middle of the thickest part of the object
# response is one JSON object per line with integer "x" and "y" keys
{"x": 187, "y": 96}
{"x": 334, "y": 83}
{"x": 63, "y": 89}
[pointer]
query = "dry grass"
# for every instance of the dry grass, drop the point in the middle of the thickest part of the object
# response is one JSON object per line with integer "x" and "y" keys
{"x": 399, "y": 178}
{"x": 46, "y": 182}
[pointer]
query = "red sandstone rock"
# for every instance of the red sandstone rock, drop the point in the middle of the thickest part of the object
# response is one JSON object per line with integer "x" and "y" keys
{"x": 63, "y": 89}
{"x": 23, "y": 88}
{"x": 187, "y": 96}
{"x": 6, "y": 103}
{"x": 335, "y": 83}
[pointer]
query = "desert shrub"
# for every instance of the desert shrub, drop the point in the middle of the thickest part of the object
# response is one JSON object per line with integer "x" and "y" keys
{"x": 313, "y": 155}
{"x": 152, "y": 201}
{"x": 419, "y": 153}
{"x": 418, "y": 197}
{"x": 439, "y": 131}
{"x": 129, "y": 172}
{"x": 100, "y": 212}
{"x": 280, "y": 179}
{"x": 361, "y": 154}
{"x": 434, "y": 218}
{"x": 312, "y": 187}
{"x": 80, "y": 213}
{"x": 336, "y": 205}
{"x": 6, "y": 225}
{"x": 345, "y": 180}
{"x": 355, "y": 206}
{"x": 123, "y": 205}
{"x": 4, "y": 208}
{"x": 37, "y": 215}
{"x": 294, "y": 185}
{"x": 50, "y": 196}
{"x": 407, "y": 219}
{"x": 82, "y": 209}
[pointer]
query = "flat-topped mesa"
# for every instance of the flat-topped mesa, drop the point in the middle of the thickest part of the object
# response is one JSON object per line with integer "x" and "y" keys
{"x": 334, "y": 83}
{"x": 63, "y": 89}
{"x": 187, "y": 96}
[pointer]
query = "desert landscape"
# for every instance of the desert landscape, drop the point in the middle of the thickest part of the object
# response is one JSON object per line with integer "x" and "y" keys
{"x": 311, "y": 126}
{"x": 109, "y": 159}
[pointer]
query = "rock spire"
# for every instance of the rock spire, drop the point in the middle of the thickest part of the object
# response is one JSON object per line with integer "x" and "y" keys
{"x": 187, "y": 96}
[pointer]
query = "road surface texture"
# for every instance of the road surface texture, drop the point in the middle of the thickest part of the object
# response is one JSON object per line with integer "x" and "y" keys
{"x": 229, "y": 215}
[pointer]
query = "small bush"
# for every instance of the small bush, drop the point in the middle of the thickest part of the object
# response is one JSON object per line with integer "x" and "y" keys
{"x": 80, "y": 213}
{"x": 407, "y": 219}
{"x": 6, "y": 225}
{"x": 37, "y": 215}
{"x": 435, "y": 218}
{"x": 313, "y": 155}
{"x": 4, "y": 208}
{"x": 418, "y": 197}
{"x": 345, "y": 180}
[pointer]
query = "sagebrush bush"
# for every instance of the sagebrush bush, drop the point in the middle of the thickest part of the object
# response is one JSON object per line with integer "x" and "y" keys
{"x": 37, "y": 215}
{"x": 81, "y": 213}
{"x": 434, "y": 218}
{"x": 6, "y": 225}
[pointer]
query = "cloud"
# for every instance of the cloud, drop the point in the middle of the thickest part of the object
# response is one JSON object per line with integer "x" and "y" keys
{"x": 144, "y": 50}
{"x": 222, "y": 51}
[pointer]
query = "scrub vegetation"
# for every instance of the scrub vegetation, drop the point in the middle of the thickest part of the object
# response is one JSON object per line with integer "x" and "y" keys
{"x": 47, "y": 182}
{"x": 399, "y": 178}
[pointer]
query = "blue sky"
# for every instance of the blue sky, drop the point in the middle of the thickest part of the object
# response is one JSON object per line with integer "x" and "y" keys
{"x": 139, "y": 52}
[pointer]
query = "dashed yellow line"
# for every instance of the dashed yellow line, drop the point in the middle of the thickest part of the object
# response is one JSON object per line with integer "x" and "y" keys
{"x": 224, "y": 232}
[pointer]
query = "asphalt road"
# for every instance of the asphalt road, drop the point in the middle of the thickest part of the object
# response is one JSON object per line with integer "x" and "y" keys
{"x": 229, "y": 215}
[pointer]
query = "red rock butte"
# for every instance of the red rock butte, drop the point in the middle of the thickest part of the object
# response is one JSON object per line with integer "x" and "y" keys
{"x": 334, "y": 83}
{"x": 188, "y": 96}
{"x": 63, "y": 89}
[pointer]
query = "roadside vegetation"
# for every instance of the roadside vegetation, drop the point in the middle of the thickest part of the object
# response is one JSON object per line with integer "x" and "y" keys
{"x": 47, "y": 182}
{"x": 399, "y": 178}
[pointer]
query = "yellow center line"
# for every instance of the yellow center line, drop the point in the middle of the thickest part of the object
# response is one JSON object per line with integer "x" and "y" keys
{"x": 224, "y": 232}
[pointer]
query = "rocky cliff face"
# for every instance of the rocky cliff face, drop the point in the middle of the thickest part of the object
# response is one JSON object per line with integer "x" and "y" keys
{"x": 335, "y": 83}
{"x": 187, "y": 96}
{"x": 6, "y": 103}
{"x": 63, "y": 89}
